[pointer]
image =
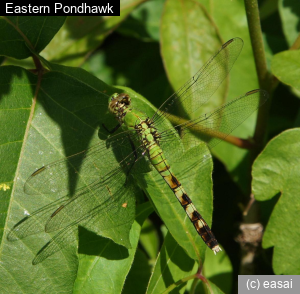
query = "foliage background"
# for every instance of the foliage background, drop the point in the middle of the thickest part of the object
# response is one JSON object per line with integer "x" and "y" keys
{"x": 152, "y": 48}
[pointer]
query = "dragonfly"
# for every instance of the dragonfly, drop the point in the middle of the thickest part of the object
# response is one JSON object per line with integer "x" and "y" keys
{"x": 104, "y": 191}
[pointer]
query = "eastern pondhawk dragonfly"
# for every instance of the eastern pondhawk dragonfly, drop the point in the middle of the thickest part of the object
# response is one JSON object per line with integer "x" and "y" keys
{"x": 103, "y": 191}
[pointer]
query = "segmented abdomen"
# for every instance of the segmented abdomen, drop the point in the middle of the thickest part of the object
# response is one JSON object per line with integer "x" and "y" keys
{"x": 160, "y": 163}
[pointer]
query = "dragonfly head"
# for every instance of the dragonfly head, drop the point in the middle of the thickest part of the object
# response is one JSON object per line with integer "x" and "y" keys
{"x": 117, "y": 102}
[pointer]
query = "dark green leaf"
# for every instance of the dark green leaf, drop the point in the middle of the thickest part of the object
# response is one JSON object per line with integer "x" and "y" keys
{"x": 138, "y": 277}
{"x": 20, "y": 35}
{"x": 290, "y": 17}
{"x": 126, "y": 66}
{"x": 144, "y": 22}
{"x": 81, "y": 35}
{"x": 267, "y": 8}
{"x": 149, "y": 239}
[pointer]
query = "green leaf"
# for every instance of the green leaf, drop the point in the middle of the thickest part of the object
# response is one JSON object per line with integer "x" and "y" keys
{"x": 285, "y": 66}
{"x": 17, "y": 90}
{"x": 171, "y": 265}
{"x": 81, "y": 35}
{"x": 103, "y": 258}
{"x": 64, "y": 121}
{"x": 289, "y": 11}
{"x": 231, "y": 21}
{"x": 144, "y": 22}
{"x": 267, "y": 8}
{"x": 216, "y": 16}
{"x": 276, "y": 172}
{"x": 185, "y": 47}
{"x": 218, "y": 269}
{"x": 19, "y": 33}
{"x": 142, "y": 72}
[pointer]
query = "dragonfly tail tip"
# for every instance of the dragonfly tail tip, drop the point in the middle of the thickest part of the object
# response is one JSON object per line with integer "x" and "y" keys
{"x": 216, "y": 249}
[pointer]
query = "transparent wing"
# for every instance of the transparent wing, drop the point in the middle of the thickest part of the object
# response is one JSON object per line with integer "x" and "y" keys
{"x": 102, "y": 198}
{"x": 64, "y": 237}
{"x": 215, "y": 126}
{"x": 203, "y": 84}
{"x": 95, "y": 164}
{"x": 109, "y": 217}
{"x": 106, "y": 192}
{"x": 35, "y": 222}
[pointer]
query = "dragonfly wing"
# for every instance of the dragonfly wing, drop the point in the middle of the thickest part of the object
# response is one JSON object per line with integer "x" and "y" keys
{"x": 203, "y": 84}
{"x": 35, "y": 222}
{"x": 111, "y": 218}
{"x": 57, "y": 243}
{"x": 215, "y": 126}
{"x": 82, "y": 169}
{"x": 106, "y": 198}
{"x": 106, "y": 207}
{"x": 103, "y": 201}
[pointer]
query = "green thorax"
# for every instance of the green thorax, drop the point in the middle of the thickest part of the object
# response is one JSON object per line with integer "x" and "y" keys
{"x": 137, "y": 121}
{"x": 132, "y": 119}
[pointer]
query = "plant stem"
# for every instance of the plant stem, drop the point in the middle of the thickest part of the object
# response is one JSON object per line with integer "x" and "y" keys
{"x": 239, "y": 142}
{"x": 252, "y": 12}
{"x": 251, "y": 214}
{"x": 263, "y": 75}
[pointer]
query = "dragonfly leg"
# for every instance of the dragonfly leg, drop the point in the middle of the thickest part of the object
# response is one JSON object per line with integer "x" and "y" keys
{"x": 113, "y": 130}
{"x": 135, "y": 160}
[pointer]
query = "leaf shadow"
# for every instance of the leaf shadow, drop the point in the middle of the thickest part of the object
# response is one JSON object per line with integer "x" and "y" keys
{"x": 294, "y": 8}
{"x": 223, "y": 281}
{"x": 11, "y": 74}
{"x": 77, "y": 102}
{"x": 93, "y": 244}
{"x": 129, "y": 64}
{"x": 172, "y": 251}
